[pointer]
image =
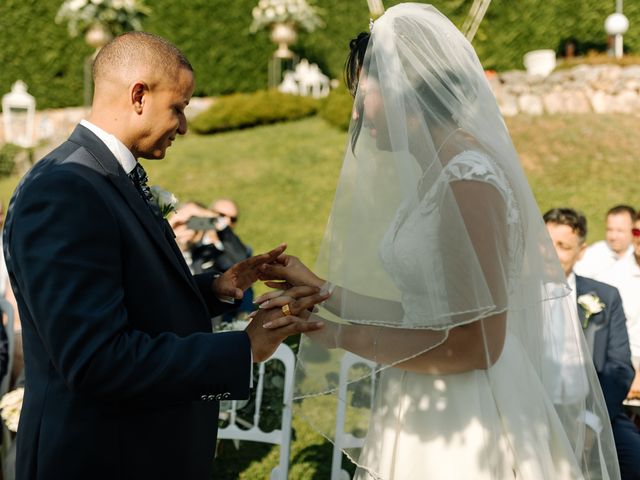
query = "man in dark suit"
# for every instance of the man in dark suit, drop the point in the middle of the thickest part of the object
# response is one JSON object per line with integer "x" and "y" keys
{"x": 604, "y": 326}
{"x": 123, "y": 374}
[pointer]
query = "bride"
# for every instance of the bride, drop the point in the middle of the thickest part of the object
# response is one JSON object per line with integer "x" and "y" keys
{"x": 443, "y": 276}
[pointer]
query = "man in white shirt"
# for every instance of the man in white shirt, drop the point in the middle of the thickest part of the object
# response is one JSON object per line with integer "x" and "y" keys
{"x": 625, "y": 276}
{"x": 616, "y": 246}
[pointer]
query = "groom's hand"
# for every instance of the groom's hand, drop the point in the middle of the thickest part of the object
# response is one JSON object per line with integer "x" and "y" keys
{"x": 242, "y": 275}
{"x": 269, "y": 327}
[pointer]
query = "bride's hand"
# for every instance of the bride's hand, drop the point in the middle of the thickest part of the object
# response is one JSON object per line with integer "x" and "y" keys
{"x": 291, "y": 271}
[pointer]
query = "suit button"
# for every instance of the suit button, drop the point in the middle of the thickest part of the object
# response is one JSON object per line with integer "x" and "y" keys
{"x": 211, "y": 398}
{"x": 226, "y": 395}
{"x": 203, "y": 398}
{"x": 218, "y": 397}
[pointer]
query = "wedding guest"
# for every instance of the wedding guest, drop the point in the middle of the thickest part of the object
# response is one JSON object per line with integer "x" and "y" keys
{"x": 226, "y": 209}
{"x": 625, "y": 276}
{"x": 603, "y": 322}
{"x": 123, "y": 375}
{"x": 617, "y": 243}
{"x": 187, "y": 238}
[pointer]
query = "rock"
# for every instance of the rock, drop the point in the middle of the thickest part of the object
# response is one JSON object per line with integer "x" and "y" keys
{"x": 530, "y": 104}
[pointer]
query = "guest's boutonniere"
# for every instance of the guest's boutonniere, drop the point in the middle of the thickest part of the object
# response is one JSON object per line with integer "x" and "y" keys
{"x": 591, "y": 304}
{"x": 164, "y": 200}
{"x": 10, "y": 408}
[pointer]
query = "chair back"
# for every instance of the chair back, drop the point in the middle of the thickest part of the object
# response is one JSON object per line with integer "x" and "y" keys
{"x": 343, "y": 439}
{"x": 252, "y": 431}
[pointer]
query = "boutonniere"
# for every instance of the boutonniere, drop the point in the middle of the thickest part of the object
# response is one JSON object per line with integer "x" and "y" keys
{"x": 10, "y": 408}
{"x": 591, "y": 304}
{"x": 164, "y": 200}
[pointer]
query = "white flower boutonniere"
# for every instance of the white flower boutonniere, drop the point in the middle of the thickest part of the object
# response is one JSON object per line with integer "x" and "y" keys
{"x": 11, "y": 406}
{"x": 591, "y": 304}
{"x": 165, "y": 201}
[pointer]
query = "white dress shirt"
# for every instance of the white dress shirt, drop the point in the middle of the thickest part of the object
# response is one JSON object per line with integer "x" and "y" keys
{"x": 598, "y": 258}
{"x": 123, "y": 155}
{"x": 625, "y": 276}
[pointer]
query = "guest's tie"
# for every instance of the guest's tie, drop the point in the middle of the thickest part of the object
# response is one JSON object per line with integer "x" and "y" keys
{"x": 139, "y": 178}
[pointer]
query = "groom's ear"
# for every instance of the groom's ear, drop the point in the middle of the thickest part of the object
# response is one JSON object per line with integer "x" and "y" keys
{"x": 138, "y": 93}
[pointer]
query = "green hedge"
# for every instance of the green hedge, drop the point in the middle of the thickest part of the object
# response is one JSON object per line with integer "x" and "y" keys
{"x": 337, "y": 107}
{"x": 214, "y": 34}
{"x": 242, "y": 110}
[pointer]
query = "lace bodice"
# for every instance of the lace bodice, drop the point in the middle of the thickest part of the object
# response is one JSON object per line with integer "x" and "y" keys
{"x": 414, "y": 234}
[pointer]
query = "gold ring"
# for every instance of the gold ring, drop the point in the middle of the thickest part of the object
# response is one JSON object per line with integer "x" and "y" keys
{"x": 286, "y": 310}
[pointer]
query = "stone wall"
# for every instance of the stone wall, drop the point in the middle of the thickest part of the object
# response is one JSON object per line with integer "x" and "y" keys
{"x": 581, "y": 89}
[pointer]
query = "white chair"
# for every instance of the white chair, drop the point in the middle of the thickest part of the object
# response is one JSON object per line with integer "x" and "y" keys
{"x": 7, "y": 309}
{"x": 253, "y": 433}
{"x": 343, "y": 439}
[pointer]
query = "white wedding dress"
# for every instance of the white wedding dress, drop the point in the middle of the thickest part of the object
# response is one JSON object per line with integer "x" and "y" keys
{"x": 485, "y": 424}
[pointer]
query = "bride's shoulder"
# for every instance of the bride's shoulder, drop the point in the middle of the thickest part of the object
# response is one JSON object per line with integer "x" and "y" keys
{"x": 477, "y": 166}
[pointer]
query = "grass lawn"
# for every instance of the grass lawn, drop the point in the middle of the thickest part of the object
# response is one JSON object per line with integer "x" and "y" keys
{"x": 283, "y": 176}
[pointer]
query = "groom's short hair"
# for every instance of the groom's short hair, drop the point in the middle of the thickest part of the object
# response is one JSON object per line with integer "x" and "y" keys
{"x": 570, "y": 217}
{"x": 133, "y": 49}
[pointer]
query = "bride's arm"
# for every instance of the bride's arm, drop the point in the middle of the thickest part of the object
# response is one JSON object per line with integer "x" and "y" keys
{"x": 476, "y": 345}
{"x": 359, "y": 307}
{"x": 459, "y": 350}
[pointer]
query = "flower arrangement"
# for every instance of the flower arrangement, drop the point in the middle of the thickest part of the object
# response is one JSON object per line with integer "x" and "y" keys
{"x": 165, "y": 201}
{"x": 10, "y": 408}
{"x": 591, "y": 304}
{"x": 298, "y": 12}
{"x": 118, "y": 16}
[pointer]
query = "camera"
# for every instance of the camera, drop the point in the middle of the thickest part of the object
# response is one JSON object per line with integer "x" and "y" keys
{"x": 206, "y": 223}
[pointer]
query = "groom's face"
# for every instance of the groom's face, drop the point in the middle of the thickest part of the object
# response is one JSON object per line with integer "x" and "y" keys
{"x": 163, "y": 114}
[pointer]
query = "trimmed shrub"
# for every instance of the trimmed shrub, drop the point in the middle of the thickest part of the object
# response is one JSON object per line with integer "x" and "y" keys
{"x": 337, "y": 107}
{"x": 8, "y": 154}
{"x": 243, "y": 110}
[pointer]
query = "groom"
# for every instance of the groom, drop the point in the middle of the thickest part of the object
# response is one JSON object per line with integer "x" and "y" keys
{"x": 605, "y": 330}
{"x": 123, "y": 374}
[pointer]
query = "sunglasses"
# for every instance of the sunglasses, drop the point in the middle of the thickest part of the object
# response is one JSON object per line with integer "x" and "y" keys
{"x": 635, "y": 232}
{"x": 231, "y": 219}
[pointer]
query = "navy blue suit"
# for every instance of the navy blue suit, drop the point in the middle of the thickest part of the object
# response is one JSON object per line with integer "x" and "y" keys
{"x": 608, "y": 341}
{"x": 123, "y": 374}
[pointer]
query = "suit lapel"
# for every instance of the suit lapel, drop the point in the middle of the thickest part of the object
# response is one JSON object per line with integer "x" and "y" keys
{"x": 592, "y": 327}
{"x": 157, "y": 229}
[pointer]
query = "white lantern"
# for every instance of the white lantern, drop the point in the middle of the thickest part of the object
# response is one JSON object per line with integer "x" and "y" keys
{"x": 18, "y": 115}
{"x": 617, "y": 24}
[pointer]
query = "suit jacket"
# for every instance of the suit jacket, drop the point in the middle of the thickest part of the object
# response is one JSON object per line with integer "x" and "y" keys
{"x": 123, "y": 373}
{"x": 608, "y": 341}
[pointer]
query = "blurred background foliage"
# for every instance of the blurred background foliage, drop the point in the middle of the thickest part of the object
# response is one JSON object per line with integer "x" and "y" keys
{"x": 227, "y": 58}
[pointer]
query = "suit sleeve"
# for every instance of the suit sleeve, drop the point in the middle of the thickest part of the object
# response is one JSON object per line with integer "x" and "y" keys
{"x": 617, "y": 374}
{"x": 215, "y": 306}
{"x": 65, "y": 252}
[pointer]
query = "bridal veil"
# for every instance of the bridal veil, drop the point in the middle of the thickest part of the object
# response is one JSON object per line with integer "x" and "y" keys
{"x": 434, "y": 227}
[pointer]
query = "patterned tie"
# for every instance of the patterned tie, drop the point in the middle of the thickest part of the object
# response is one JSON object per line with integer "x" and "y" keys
{"x": 139, "y": 178}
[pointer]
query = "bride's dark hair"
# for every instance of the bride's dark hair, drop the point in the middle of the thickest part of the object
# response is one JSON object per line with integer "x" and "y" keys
{"x": 352, "y": 68}
{"x": 355, "y": 60}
